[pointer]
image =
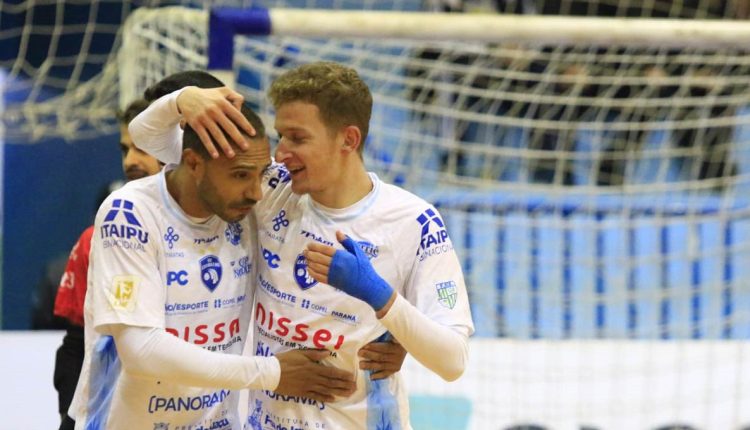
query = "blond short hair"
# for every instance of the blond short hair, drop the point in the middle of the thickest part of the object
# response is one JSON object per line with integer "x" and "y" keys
{"x": 340, "y": 94}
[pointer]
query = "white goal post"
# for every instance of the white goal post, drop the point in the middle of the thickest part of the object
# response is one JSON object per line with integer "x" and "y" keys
{"x": 496, "y": 28}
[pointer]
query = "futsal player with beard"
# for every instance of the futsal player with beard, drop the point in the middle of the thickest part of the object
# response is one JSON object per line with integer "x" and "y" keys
{"x": 167, "y": 307}
{"x": 136, "y": 164}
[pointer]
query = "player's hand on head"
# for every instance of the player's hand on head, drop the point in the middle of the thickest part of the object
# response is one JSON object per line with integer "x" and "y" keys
{"x": 382, "y": 359}
{"x": 208, "y": 111}
{"x": 302, "y": 374}
{"x": 348, "y": 270}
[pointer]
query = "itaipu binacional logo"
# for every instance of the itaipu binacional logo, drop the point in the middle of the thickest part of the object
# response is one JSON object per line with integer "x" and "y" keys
{"x": 127, "y": 235}
{"x": 447, "y": 293}
{"x": 434, "y": 237}
{"x": 210, "y": 271}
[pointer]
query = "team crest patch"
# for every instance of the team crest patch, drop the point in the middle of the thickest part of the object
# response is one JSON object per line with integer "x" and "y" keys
{"x": 210, "y": 271}
{"x": 304, "y": 280}
{"x": 123, "y": 292}
{"x": 233, "y": 233}
{"x": 447, "y": 293}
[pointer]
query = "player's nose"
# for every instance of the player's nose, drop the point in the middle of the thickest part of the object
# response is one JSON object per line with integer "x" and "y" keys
{"x": 131, "y": 159}
{"x": 253, "y": 192}
{"x": 282, "y": 153}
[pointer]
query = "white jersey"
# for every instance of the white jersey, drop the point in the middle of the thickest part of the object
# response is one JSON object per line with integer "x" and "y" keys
{"x": 152, "y": 266}
{"x": 409, "y": 247}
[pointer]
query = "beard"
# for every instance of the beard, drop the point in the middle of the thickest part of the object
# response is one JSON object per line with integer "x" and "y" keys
{"x": 228, "y": 211}
{"x": 134, "y": 173}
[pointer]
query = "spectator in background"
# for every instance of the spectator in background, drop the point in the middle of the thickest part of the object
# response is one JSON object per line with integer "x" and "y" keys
{"x": 72, "y": 289}
{"x": 136, "y": 164}
{"x": 700, "y": 153}
{"x": 684, "y": 9}
{"x": 704, "y": 151}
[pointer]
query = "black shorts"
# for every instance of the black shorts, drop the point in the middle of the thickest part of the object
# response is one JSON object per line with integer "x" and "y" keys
{"x": 68, "y": 363}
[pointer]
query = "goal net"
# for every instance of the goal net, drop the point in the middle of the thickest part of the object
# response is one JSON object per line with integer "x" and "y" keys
{"x": 59, "y": 58}
{"x": 594, "y": 177}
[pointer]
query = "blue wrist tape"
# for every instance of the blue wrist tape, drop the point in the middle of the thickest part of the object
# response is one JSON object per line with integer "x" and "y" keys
{"x": 352, "y": 272}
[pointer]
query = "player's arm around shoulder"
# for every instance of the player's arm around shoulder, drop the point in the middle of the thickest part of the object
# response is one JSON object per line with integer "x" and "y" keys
{"x": 210, "y": 112}
{"x": 157, "y": 129}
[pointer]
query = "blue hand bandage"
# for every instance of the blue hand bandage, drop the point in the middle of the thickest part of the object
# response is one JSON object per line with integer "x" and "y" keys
{"x": 352, "y": 273}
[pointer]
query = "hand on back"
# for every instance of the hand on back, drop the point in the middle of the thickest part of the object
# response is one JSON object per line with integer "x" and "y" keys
{"x": 302, "y": 374}
{"x": 382, "y": 359}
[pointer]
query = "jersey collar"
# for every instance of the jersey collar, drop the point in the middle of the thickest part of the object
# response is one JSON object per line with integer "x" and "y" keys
{"x": 331, "y": 215}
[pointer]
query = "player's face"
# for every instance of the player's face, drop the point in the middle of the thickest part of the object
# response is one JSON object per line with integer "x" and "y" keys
{"x": 230, "y": 187}
{"x": 308, "y": 149}
{"x": 135, "y": 163}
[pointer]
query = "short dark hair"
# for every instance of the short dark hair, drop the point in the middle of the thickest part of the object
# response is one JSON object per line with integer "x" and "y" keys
{"x": 176, "y": 81}
{"x": 191, "y": 140}
{"x": 134, "y": 108}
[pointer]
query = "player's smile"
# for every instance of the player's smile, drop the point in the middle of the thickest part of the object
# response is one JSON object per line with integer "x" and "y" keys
{"x": 295, "y": 171}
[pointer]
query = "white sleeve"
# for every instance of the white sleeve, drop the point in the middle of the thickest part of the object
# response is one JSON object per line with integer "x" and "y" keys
{"x": 441, "y": 349}
{"x": 155, "y": 353}
{"x": 157, "y": 130}
{"x": 431, "y": 317}
{"x": 124, "y": 282}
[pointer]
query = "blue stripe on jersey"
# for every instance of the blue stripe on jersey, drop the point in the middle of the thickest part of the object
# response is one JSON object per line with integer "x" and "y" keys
{"x": 382, "y": 405}
{"x": 105, "y": 369}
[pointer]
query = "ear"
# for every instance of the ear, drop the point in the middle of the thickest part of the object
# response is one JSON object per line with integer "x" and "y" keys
{"x": 352, "y": 138}
{"x": 195, "y": 164}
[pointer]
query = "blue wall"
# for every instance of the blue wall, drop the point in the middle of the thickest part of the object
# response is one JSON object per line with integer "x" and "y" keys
{"x": 50, "y": 192}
